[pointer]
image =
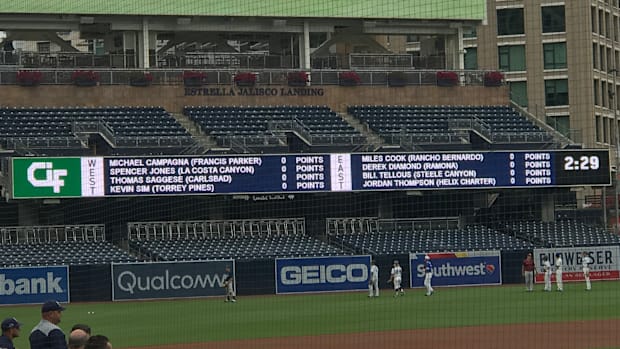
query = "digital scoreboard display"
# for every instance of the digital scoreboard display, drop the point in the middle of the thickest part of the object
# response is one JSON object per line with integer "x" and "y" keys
{"x": 237, "y": 174}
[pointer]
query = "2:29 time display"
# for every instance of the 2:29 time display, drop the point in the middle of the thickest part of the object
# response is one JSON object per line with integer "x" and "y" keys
{"x": 583, "y": 163}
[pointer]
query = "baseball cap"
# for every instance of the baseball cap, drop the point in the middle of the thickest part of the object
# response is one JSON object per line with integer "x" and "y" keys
{"x": 51, "y": 306}
{"x": 9, "y": 323}
{"x": 427, "y": 257}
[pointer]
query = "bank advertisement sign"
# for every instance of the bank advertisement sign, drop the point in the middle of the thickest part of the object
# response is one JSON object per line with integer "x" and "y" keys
{"x": 457, "y": 268}
{"x": 34, "y": 285}
{"x": 321, "y": 274}
{"x": 57, "y": 177}
{"x": 170, "y": 280}
{"x": 605, "y": 266}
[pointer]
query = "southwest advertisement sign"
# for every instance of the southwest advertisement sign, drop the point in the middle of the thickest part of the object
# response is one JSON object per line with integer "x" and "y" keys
{"x": 170, "y": 280}
{"x": 606, "y": 264}
{"x": 57, "y": 177}
{"x": 321, "y": 274}
{"x": 458, "y": 268}
{"x": 34, "y": 285}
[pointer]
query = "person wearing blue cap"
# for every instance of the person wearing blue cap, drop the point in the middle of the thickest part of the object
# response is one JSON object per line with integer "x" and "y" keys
{"x": 46, "y": 334}
{"x": 10, "y": 330}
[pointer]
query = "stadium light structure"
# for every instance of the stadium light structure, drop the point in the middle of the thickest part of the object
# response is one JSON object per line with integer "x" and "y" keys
{"x": 614, "y": 109}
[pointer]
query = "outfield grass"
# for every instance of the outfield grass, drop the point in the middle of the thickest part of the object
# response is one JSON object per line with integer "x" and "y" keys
{"x": 167, "y": 322}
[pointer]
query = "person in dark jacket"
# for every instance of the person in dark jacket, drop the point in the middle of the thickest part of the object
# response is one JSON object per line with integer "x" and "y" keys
{"x": 46, "y": 334}
{"x": 10, "y": 330}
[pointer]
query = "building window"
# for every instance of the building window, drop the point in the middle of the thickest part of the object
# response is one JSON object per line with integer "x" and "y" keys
{"x": 471, "y": 58}
{"x": 518, "y": 92}
{"x": 469, "y": 32}
{"x": 555, "y": 55}
{"x": 553, "y": 19}
{"x": 596, "y": 92}
{"x": 510, "y": 21}
{"x": 597, "y": 130}
{"x": 512, "y": 58}
{"x": 556, "y": 92}
{"x": 560, "y": 123}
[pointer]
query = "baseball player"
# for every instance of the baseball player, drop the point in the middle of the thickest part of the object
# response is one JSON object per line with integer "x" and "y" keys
{"x": 527, "y": 270}
{"x": 586, "y": 260}
{"x": 396, "y": 277}
{"x": 547, "y": 272}
{"x": 558, "y": 271}
{"x": 428, "y": 271}
{"x": 373, "y": 281}
{"x": 229, "y": 285}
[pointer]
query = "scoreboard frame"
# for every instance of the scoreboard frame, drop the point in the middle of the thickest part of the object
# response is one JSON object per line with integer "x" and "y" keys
{"x": 80, "y": 177}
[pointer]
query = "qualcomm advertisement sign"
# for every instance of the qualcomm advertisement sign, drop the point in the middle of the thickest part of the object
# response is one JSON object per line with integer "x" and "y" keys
{"x": 34, "y": 285}
{"x": 318, "y": 274}
{"x": 170, "y": 280}
{"x": 458, "y": 268}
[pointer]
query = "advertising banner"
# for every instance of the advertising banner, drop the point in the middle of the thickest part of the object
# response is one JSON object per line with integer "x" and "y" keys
{"x": 170, "y": 280}
{"x": 34, "y": 285}
{"x": 606, "y": 264}
{"x": 321, "y": 274}
{"x": 458, "y": 268}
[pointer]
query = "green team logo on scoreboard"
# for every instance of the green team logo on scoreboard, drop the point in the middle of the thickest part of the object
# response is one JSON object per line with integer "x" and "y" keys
{"x": 47, "y": 177}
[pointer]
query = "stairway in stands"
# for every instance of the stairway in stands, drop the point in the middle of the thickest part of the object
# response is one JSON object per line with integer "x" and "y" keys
{"x": 204, "y": 143}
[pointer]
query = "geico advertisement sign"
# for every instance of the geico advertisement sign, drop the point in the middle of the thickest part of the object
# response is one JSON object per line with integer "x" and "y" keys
{"x": 34, "y": 285}
{"x": 322, "y": 274}
{"x": 170, "y": 280}
{"x": 457, "y": 269}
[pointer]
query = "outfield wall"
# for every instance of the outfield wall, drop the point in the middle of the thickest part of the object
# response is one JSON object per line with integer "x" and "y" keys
{"x": 90, "y": 283}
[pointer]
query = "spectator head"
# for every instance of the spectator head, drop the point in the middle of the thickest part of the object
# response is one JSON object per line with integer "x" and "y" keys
{"x": 78, "y": 339}
{"x": 11, "y": 327}
{"x": 98, "y": 342}
{"x": 52, "y": 311}
{"x": 82, "y": 327}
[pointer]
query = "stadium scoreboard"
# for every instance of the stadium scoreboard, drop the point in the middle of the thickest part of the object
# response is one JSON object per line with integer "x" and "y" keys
{"x": 341, "y": 172}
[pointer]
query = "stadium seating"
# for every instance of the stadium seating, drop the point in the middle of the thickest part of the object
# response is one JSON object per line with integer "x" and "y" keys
{"x": 449, "y": 124}
{"x": 240, "y": 239}
{"x": 66, "y": 127}
{"x": 469, "y": 238}
{"x": 237, "y": 248}
{"x": 63, "y": 253}
{"x": 565, "y": 233}
{"x": 58, "y": 245}
{"x": 264, "y": 125}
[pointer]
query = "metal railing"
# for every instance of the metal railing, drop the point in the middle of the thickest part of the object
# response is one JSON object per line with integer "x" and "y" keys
{"x": 51, "y": 233}
{"x": 205, "y": 60}
{"x": 265, "y": 77}
{"x": 215, "y": 229}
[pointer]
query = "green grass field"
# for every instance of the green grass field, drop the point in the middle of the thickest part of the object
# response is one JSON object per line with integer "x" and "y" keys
{"x": 179, "y": 321}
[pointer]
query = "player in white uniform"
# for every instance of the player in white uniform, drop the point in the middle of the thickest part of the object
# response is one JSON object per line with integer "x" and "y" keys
{"x": 428, "y": 275}
{"x": 229, "y": 285}
{"x": 373, "y": 281}
{"x": 396, "y": 277}
{"x": 558, "y": 272}
{"x": 547, "y": 272}
{"x": 586, "y": 260}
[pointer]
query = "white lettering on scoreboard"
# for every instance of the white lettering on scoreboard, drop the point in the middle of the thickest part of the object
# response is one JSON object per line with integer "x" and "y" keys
{"x": 397, "y": 171}
{"x": 177, "y": 175}
{"x": 340, "y": 171}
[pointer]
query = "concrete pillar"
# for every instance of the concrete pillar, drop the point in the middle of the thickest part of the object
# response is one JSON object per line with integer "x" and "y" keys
{"x": 548, "y": 208}
{"x": 143, "y": 45}
{"x": 28, "y": 212}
